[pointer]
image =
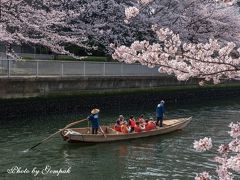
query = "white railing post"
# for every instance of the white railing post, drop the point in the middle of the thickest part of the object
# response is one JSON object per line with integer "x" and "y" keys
{"x": 62, "y": 69}
{"x": 139, "y": 71}
{"x": 104, "y": 68}
{"x": 9, "y": 68}
{"x": 37, "y": 69}
{"x": 121, "y": 69}
{"x": 84, "y": 69}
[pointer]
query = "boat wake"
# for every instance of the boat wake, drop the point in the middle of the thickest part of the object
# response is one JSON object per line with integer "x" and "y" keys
{"x": 25, "y": 151}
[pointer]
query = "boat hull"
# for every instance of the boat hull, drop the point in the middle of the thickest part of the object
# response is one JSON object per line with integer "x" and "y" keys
{"x": 110, "y": 135}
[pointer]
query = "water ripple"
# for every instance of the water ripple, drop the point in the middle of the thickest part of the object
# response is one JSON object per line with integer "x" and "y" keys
{"x": 169, "y": 156}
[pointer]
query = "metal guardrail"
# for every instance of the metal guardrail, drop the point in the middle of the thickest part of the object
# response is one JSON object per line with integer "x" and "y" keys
{"x": 38, "y": 68}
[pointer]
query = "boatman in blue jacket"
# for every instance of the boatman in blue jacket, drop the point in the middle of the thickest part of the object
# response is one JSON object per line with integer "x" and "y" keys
{"x": 94, "y": 120}
{"x": 160, "y": 110}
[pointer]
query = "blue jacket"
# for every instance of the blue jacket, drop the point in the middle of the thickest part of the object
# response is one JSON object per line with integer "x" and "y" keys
{"x": 94, "y": 120}
{"x": 160, "y": 110}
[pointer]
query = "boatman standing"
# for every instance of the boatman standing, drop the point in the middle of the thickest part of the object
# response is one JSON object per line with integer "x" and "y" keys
{"x": 94, "y": 120}
{"x": 160, "y": 110}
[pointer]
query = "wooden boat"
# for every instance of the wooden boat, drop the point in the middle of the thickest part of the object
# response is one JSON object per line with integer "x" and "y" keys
{"x": 84, "y": 134}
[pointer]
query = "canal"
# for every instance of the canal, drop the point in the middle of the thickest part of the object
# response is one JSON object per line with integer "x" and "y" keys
{"x": 169, "y": 157}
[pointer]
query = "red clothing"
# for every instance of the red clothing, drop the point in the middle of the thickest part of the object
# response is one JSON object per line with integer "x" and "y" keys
{"x": 153, "y": 125}
{"x": 124, "y": 128}
{"x": 117, "y": 128}
{"x": 149, "y": 126}
{"x": 137, "y": 129}
{"x": 132, "y": 123}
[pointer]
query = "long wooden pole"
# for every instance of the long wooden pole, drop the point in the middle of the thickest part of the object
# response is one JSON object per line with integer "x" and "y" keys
{"x": 103, "y": 132}
{"x": 69, "y": 125}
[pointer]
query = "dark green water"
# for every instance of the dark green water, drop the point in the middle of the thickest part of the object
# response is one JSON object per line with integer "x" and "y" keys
{"x": 168, "y": 156}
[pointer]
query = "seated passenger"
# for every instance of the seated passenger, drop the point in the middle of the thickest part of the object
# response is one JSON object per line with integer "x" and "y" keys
{"x": 119, "y": 122}
{"x": 137, "y": 127}
{"x": 124, "y": 128}
{"x": 121, "y": 119}
{"x": 149, "y": 125}
{"x": 132, "y": 123}
{"x": 141, "y": 119}
{"x": 153, "y": 123}
{"x": 117, "y": 126}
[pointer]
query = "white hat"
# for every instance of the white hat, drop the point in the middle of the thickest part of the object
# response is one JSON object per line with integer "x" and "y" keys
{"x": 95, "y": 111}
{"x": 162, "y": 101}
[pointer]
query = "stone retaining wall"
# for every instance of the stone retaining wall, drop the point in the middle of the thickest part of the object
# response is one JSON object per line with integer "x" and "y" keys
{"x": 113, "y": 101}
{"x": 23, "y": 87}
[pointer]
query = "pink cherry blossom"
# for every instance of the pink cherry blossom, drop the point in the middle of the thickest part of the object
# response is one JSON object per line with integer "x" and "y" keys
{"x": 234, "y": 163}
{"x": 221, "y": 160}
{"x": 223, "y": 173}
{"x": 131, "y": 12}
{"x": 184, "y": 60}
{"x": 203, "y": 176}
{"x": 55, "y": 23}
{"x": 223, "y": 149}
{"x": 208, "y": 61}
{"x": 227, "y": 2}
{"x": 226, "y": 165}
{"x": 203, "y": 144}
{"x": 234, "y": 145}
{"x": 235, "y": 129}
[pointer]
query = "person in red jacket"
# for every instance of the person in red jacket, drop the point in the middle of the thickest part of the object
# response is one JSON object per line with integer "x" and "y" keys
{"x": 153, "y": 123}
{"x": 131, "y": 123}
{"x": 149, "y": 125}
{"x": 137, "y": 127}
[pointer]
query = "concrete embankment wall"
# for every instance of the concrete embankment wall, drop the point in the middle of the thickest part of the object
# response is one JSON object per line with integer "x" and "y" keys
{"x": 78, "y": 100}
{"x": 22, "y": 87}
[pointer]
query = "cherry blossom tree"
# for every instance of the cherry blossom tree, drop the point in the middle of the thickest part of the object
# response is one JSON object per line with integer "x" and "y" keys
{"x": 209, "y": 61}
{"x": 97, "y": 23}
{"x": 38, "y": 22}
{"x": 212, "y": 60}
{"x": 228, "y": 159}
{"x": 54, "y": 24}
{"x": 195, "y": 21}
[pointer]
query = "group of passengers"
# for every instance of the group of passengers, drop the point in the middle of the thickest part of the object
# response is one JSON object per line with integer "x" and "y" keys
{"x": 133, "y": 125}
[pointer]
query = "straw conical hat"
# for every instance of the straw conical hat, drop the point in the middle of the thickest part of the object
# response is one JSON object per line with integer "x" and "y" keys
{"x": 95, "y": 111}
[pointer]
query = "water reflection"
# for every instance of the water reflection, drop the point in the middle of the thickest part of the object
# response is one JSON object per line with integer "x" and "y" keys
{"x": 123, "y": 151}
